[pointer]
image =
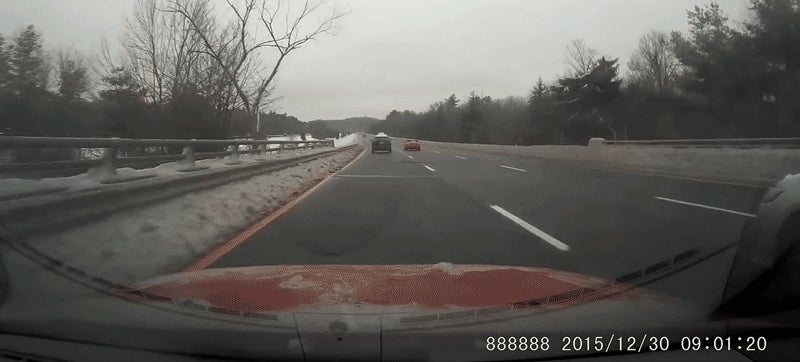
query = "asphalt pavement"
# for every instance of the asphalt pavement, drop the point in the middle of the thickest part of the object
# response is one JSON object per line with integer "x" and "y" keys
{"x": 443, "y": 205}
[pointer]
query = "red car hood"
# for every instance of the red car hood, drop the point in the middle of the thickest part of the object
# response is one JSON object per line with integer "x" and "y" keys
{"x": 440, "y": 286}
{"x": 364, "y": 312}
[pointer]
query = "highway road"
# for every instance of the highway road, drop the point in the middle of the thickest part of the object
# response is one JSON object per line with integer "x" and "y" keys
{"x": 442, "y": 205}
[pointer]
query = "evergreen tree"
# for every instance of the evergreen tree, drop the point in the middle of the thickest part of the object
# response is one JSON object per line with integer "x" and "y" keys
{"x": 29, "y": 69}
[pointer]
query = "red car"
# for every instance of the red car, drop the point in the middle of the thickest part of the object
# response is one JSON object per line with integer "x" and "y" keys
{"x": 411, "y": 145}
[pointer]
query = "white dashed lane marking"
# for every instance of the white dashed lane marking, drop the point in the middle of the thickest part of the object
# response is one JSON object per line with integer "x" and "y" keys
{"x": 532, "y": 229}
{"x": 513, "y": 168}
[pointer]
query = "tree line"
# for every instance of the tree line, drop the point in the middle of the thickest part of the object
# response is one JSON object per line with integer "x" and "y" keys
{"x": 715, "y": 81}
{"x": 185, "y": 71}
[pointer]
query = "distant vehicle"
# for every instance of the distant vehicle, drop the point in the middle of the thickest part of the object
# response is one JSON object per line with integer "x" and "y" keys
{"x": 769, "y": 251}
{"x": 381, "y": 142}
{"x": 409, "y": 145}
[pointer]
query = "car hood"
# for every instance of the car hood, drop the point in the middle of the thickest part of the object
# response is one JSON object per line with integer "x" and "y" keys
{"x": 381, "y": 287}
{"x": 360, "y": 311}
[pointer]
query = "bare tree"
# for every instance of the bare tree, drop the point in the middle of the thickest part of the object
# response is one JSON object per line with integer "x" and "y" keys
{"x": 101, "y": 67}
{"x": 579, "y": 58}
{"x": 653, "y": 63}
{"x": 239, "y": 48}
{"x": 144, "y": 40}
{"x": 185, "y": 68}
{"x": 217, "y": 89}
{"x": 162, "y": 50}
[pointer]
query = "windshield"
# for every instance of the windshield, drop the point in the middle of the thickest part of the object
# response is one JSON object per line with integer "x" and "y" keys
{"x": 226, "y": 169}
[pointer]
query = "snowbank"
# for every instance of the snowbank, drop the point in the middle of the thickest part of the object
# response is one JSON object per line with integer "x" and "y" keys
{"x": 164, "y": 238}
{"x": 761, "y": 164}
{"x": 348, "y": 140}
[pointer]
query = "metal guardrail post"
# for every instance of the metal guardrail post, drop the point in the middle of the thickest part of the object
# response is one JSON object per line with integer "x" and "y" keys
{"x": 188, "y": 151}
{"x": 234, "y": 156}
{"x": 188, "y": 164}
{"x": 261, "y": 152}
{"x": 108, "y": 170}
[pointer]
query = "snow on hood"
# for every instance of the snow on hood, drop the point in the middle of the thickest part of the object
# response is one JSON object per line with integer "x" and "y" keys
{"x": 444, "y": 285}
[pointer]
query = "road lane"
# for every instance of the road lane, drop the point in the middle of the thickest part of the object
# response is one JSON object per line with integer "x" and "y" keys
{"x": 604, "y": 216}
{"x": 391, "y": 208}
{"x": 403, "y": 219}
{"x": 719, "y": 193}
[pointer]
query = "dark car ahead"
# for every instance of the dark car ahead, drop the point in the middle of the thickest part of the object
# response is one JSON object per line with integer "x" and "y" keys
{"x": 381, "y": 142}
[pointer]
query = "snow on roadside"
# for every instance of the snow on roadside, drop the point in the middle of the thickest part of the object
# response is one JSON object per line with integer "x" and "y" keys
{"x": 346, "y": 140}
{"x": 164, "y": 238}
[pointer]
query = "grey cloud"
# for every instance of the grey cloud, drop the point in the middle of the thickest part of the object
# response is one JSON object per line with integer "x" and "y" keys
{"x": 407, "y": 54}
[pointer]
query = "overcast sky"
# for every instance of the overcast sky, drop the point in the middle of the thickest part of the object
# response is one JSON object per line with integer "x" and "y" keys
{"x": 406, "y": 54}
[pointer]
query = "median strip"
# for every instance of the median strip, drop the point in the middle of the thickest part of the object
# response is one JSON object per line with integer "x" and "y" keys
{"x": 705, "y": 206}
{"x": 532, "y": 229}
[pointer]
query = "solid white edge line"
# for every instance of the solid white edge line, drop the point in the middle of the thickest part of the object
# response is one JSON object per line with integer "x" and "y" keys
{"x": 461, "y": 157}
{"x": 532, "y": 229}
{"x": 364, "y": 152}
{"x": 430, "y": 168}
{"x": 705, "y": 206}
{"x": 513, "y": 168}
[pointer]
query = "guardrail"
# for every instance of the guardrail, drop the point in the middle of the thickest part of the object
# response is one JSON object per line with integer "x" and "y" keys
{"x": 110, "y": 159}
{"x": 54, "y": 210}
{"x": 706, "y": 143}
